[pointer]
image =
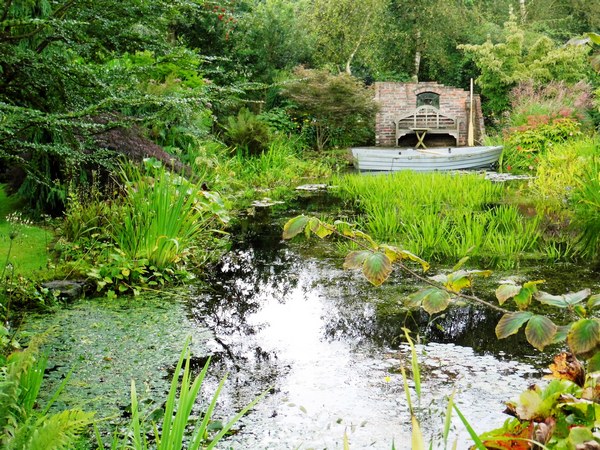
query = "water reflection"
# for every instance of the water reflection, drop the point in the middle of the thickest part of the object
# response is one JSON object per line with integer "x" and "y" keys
{"x": 329, "y": 347}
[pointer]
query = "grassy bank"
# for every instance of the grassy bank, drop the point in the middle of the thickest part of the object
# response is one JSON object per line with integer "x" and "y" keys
{"x": 23, "y": 246}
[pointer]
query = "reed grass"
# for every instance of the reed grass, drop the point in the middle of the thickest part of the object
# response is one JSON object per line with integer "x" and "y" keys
{"x": 178, "y": 411}
{"x": 281, "y": 164}
{"x": 441, "y": 216}
{"x": 162, "y": 217}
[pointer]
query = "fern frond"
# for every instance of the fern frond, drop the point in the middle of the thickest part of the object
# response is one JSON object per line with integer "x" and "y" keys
{"x": 59, "y": 431}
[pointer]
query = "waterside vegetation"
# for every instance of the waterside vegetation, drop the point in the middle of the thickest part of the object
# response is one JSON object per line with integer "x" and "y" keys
{"x": 133, "y": 134}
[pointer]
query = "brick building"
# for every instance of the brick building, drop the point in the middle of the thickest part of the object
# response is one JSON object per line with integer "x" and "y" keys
{"x": 399, "y": 99}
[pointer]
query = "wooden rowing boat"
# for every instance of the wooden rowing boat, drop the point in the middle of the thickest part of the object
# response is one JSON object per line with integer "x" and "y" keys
{"x": 425, "y": 160}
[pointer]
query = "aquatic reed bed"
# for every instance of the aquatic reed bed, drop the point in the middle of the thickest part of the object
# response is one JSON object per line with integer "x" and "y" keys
{"x": 281, "y": 164}
{"x": 440, "y": 215}
{"x": 162, "y": 217}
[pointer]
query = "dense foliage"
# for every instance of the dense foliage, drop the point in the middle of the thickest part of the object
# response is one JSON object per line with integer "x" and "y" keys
{"x": 137, "y": 128}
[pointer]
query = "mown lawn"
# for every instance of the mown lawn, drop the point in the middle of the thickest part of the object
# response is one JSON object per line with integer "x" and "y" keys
{"x": 27, "y": 252}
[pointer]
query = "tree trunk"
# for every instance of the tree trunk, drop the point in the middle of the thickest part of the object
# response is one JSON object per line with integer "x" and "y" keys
{"x": 523, "y": 10}
{"x": 417, "y": 66}
{"x": 357, "y": 46}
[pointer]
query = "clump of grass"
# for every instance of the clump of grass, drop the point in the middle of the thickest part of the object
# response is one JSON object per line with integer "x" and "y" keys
{"x": 441, "y": 216}
{"x": 177, "y": 414}
{"x": 163, "y": 216}
{"x": 587, "y": 209}
{"x": 559, "y": 173}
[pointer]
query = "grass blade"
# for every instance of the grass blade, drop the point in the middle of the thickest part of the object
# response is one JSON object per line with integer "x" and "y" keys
{"x": 478, "y": 444}
{"x": 448, "y": 418}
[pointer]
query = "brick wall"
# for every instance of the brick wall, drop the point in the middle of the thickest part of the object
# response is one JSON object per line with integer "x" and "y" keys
{"x": 397, "y": 99}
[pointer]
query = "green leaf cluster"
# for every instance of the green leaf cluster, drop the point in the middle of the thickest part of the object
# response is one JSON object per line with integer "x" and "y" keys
{"x": 504, "y": 64}
{"x": 23, "y": 425}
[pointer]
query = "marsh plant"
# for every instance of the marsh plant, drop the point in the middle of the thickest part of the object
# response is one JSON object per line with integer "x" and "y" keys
{"x": 442, "y": 216}
{"x": 177, "y": 415}
{"x": 587, "y": 209}
{"x": 163, "y": 222}
{"x": 163, "y": 215}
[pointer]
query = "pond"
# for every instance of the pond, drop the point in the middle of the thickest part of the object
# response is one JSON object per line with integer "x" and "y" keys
{"x": 327, "y": 346}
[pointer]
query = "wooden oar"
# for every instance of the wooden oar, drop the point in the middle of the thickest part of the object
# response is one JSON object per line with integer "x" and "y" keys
{"x": 471, "y": 131}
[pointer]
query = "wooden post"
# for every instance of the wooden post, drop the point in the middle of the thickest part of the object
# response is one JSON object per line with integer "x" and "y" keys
{"x": 470, "y": 131}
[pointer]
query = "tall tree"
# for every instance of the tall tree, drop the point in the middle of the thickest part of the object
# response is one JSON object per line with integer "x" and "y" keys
{"x": 344, "y": 30}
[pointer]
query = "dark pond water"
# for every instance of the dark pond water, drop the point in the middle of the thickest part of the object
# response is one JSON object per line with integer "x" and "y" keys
{"x": 329, "y": 346}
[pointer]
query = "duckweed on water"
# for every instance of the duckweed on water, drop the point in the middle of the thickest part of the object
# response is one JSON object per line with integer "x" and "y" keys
{"x": 109, "y": 343}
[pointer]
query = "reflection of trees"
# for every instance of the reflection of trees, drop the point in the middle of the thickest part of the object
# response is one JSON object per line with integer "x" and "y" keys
{"x": 259, "y": 268}
{"x": 364, "y": 314}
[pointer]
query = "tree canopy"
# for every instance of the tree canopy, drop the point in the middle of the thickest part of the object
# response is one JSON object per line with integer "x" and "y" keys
{"x": 71, "y": 70}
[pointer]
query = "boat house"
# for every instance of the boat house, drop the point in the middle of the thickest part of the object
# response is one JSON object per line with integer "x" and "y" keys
{"x": 425, "y": 115}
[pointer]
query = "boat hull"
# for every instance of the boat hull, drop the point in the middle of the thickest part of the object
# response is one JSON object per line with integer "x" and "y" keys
{"x": 425, "y": 160}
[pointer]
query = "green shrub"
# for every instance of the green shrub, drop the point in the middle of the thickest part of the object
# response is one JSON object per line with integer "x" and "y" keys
{"x": 247, "y": 133}
{"x": 554, "y": 99}
{"x": 525, "y": 144}
{"x": 559, "y": 173}
{"x": 280, "y": 121}
{"x": 335, "y": 108}
{"x": 587, "y": 208}
{"x": 504, "y": 64}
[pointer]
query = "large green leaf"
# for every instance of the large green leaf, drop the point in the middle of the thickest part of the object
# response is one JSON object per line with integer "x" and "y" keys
{"x": 319, "y": 228}
{"x": 510, "y": 323}
{"x": 416, "y": 299}
{"x": 431, "y": 299}
{"x": 411, "y": 256}
{"x": 594, "y": 37}
{"x": 593, "y": 364}
{"x": 561, "y": 334}
{"x": 506, "y": 291}
{"x": 356, "y": 259}
{"x": 458, "y": 280}
{"x": 294, "y": 226}
{"x": 363, "y": 236}
{"x": 436, "y": 301}
{"x": 392, "y": 252}
{"x": 377, "y": 268}
{"x": 563, "y": 301}
{"x": 540, "y": 331}
{"x": 523, "y": 298}
{"x": 584, "y": 335}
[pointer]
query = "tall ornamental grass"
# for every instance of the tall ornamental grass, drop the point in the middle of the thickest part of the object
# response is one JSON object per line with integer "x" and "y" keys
{"x": 441, "y": 216}
{"x": 163, "y": 216}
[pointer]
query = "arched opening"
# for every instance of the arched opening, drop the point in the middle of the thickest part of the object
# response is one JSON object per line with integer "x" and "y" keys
{"x": 429, "y": 99}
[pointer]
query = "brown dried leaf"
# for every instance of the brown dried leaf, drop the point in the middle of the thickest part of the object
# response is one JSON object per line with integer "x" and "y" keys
{"x": 567, "y": 367}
